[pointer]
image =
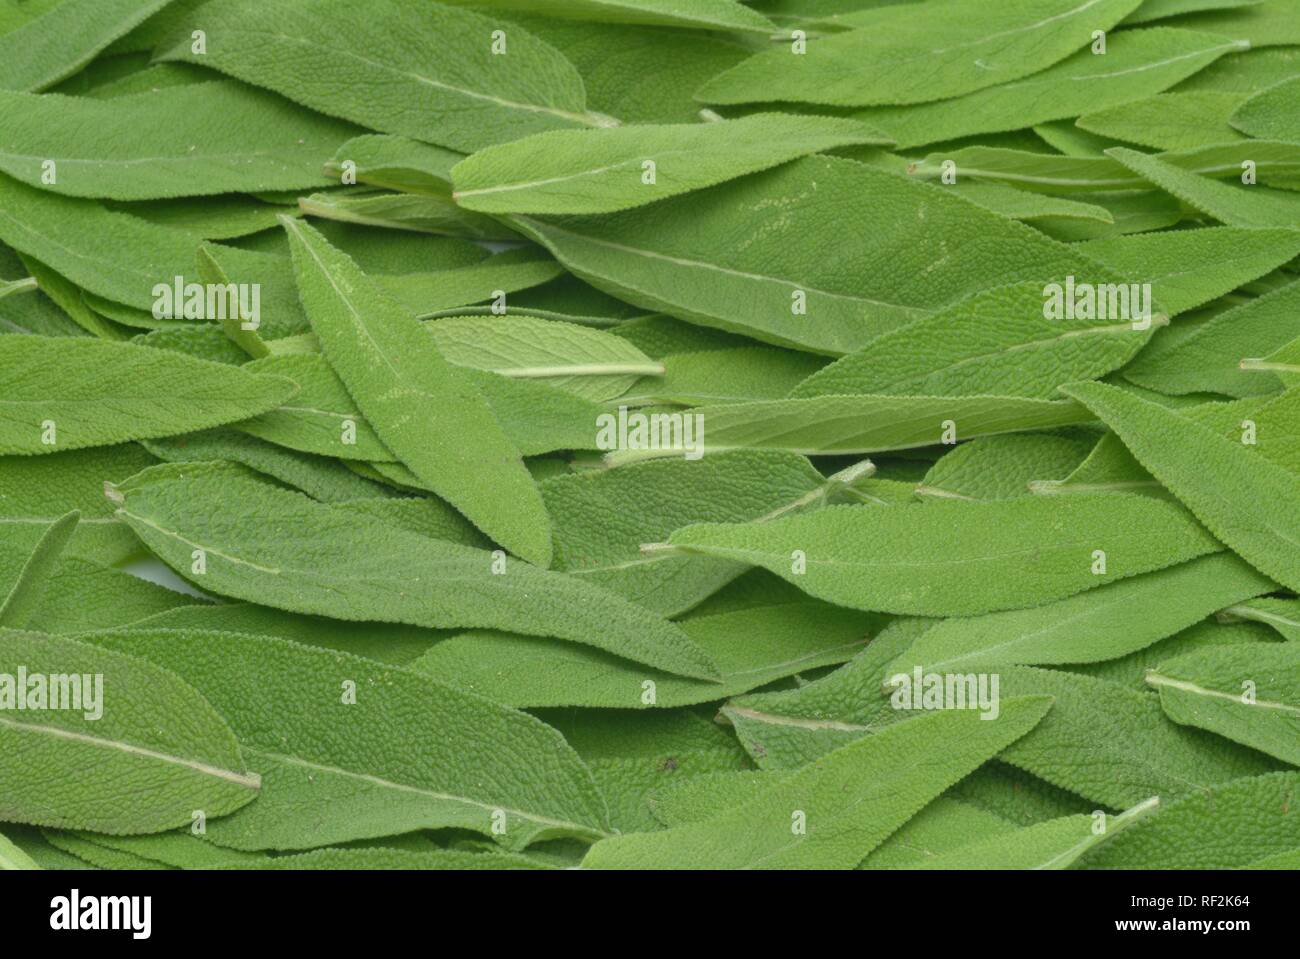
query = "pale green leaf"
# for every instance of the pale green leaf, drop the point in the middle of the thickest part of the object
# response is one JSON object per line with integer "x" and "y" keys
{"x": 429, "y": 415}
{"x": 138, "y": 730}
{"x": 69, "y": 392}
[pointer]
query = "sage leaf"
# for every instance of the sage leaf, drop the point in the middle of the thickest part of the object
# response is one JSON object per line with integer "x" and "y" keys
{"x": 698, "y": 14}
{"x": 1261, "y": 809}
{"x": 857, "y": 423}
{"x": 1240, "y": 497}
{"x": 442, "y": 84}
{"x": 141, "y": 728}
{"x": 999, "y": 554}
{"x": 65, "y": 393}
{"x": 65, "y": 38}
{"x": 787, "y": 286}
{"x": 751, "y": 647}
{"x": 25, "y": 593}
{"x": 1234, "y": 205}
{"x": 1281, "y": 614}
{"x": 1249, "y": 694}
{"x": 318, "y": 754}
{"x": 997, "y": 341}
{"x": 1106, "y": 623}
{"x": 313, "y": 558}
{"x": 1138, "y": 63}
{"x": 603, "y": 517}
{"x": 1055, "y": 844}
{"x": 1271, "y": 113}
{"x": 890, "y": 54}
{"x": 388, "y": 364}
{"x": 1169, "y": 121}
{"x": 160, "y": 144}
{"x": 1115, "y": 746}
{"x": 851, "y": 800}
{"x": 602, "y": 171}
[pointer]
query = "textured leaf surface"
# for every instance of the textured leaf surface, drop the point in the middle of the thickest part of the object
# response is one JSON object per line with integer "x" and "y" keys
{"x": 602, "y": 171}
{"x": 1138, "y": 63}
{"x": 164, "y": 144}
{"x": 1248, "y": 693}
{"x": 852, "y": 799}
{"x": 1114, "y": 746}
{"x": 438, "y": 80}
{"x": 154, "y": 736}
{"x": 1001, "y": 554}
{"x": 281, "y": 549}
{"x": 1245, "y": 500}
{"x": 680, "y": 256}
{"x": 1255, "y": 817}
{"x": 891, "y": 54}
{"x": 324, "y": 761}
{"x": 1104, "y": 623}
{"x": 95, "y": 393}
{"x": 48, "y": 48}
{"x": 428, "y": 414}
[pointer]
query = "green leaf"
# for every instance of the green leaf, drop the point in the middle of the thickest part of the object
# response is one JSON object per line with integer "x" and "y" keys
{"x": 1055, "y": 844}
{"x": 281, "y": 549}
{"x": 726, "y": 376}
{"x": 1259, "y": 816}
{"x": 40, "y": 489}
{"x": 603, "y": 171}
{"x": 1209, "y": 358}
{"x": 892, "y": 54}
{"x": 1235, "y": 205}
{"x": 1281, "y": 614}
{"x": 848, "y": 802}
{"x": 1105, "y": 623}
{"x": 1001, "y": 467}
{"x": 115, "y": 255}
{"x": 1249, "y": 694}
{"x": 854, "y": 424}
{"x": 786, "y": 285}
{"x": 1169, "y": 121}
{"x": 1160, "y": 9}
{"x": 959, "y": 558}
{"x": 786, "y": 729}
{"x": 1114, "y": 746}
{"x": 161, "y": 144}
{"x": 123, "y": 728}
{"x": 402, "y": 752}
{"x": 1272, "y": 113}
{"x": 1130, "y": 671}
{"x": 602, "y": 517}
{"x": 942, "y": 826}
{"x": 405, "y": 211}
{"x": 698, "y": 14}
{"x": 66, "y": 393}
{"x": 577, "y": 359}
{"x": 1000, "y": 341}
{"x": 430, "y": 416}
{"x": 25, "y": 594}
{"x": 318, "y": 477}
{"x": 1189, "y": 268}
{"x": 752, "y": 647}
{"x": 441, "y": 83}
{"x": 1272, "y": 23}
{"x": 395, "y": 163}
{"x": 1137, "y": 63}
{"x": 1241, "y": 498}
{"x": 389, "y": 859}
{"x": 60, "y": 42}
{"x": 13, "y": 858}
